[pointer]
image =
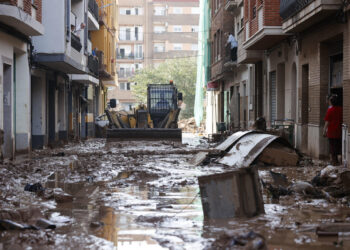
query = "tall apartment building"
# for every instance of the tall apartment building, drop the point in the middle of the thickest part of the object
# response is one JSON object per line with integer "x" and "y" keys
{"x": 151, "y": 32}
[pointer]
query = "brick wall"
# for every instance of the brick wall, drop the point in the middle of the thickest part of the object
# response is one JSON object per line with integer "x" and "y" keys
{"x": 27, "y": 6}
{"x": 38, "y": 5}
{"x": 271, "y": 16}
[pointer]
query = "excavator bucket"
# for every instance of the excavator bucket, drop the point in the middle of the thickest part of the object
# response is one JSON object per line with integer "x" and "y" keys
{"x": 153, "y": 134}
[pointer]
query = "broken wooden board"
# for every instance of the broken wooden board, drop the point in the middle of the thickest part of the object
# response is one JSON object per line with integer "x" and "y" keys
{"x": 231, "y": 140}
{"x": 247, "y": 149}
{"x": 277, "y": 154}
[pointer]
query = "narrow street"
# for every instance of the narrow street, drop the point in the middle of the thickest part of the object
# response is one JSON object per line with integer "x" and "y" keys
{"x": 145, "y": 195}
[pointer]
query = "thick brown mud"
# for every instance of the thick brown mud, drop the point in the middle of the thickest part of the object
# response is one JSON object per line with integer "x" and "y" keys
{"x": 145, "y": 195}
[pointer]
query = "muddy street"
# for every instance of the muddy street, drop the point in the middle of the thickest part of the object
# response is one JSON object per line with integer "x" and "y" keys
{"x": 133, "y": 195}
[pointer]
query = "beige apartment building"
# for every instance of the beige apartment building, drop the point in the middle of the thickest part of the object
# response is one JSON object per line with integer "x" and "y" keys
{"x": 150, "y": 32}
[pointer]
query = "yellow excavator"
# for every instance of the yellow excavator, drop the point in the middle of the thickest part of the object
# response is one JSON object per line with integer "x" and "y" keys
{"x": 156, "y": 121}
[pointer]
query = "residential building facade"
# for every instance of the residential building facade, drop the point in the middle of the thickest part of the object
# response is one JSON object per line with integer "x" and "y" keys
{"x": 19, "y": 21}
{"x": 57, "y": 61}
{"x": 291, "y": 56}
{"x": 151, "y": 32}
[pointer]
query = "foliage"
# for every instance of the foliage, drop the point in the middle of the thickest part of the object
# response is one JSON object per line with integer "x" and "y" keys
{"x": 181, "y": 71}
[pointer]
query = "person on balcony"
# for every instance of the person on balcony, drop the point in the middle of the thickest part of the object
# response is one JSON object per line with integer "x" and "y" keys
{"x": 332, "y": 128}
{"x": 233, "y": 46}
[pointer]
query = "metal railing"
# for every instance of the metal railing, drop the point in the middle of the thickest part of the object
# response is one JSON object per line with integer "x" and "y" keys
{"x": 125, "y": 74}
{"x": 289, "y": 8}
{"x": 75, "y": 42}
{"x": 93, "y": 64}
{"x": 93, "y": 7}
{"x": 129, "y": 56}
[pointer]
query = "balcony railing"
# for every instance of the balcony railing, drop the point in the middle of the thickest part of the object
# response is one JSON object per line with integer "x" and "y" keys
{"x": 75, "y": 42}
{"x": 93, "y": 64}
{"x": 289, "y": 8}
{"x": 129, "y": 56}
{"x": 102, "y": 67}
{"x": 231, "y": 4}
{"x": 125, "y": 74}
{"x": 93, "y": 8}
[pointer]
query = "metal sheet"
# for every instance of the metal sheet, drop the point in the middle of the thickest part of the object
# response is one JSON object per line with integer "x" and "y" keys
{"x": 247, "y": 149}
{"x": 231, "y": 140}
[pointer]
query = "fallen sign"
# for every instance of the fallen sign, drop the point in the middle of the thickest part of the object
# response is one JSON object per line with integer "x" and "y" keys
{"x": 231, "y": 194}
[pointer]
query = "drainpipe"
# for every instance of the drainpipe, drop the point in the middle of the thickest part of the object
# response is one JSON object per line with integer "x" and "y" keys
{"x": 14, "y": 105}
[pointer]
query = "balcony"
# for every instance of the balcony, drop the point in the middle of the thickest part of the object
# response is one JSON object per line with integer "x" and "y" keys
{"x": 93, "y": 65}
{"x": 247, "y": 56}
{"x": 299, "y": 15}
{"x": 75, "y": 42}
{"x": 93, "y": 15}
{"x": 102, "y": 66}
{"x": 231, "y": 5}
{"x": 102, "y": 18}
{"x": 17, "y": 19}
{"x": 130, "y": 56}
{"x": 125, "y": 74}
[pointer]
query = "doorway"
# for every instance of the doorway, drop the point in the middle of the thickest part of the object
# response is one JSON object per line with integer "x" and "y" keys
{"x": 304, "y": 107}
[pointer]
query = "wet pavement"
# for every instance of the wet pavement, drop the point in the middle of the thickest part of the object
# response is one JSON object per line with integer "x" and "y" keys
{"x": 145, "y": 195}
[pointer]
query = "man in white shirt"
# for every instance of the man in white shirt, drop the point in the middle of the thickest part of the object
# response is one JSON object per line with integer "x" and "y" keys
{"x": 233, "y": 45}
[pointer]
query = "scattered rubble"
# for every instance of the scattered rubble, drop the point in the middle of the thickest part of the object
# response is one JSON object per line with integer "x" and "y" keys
{"x": 189, "y": 126}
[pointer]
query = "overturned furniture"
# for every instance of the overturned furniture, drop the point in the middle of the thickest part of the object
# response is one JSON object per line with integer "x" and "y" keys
{"x": 231, "y": 194}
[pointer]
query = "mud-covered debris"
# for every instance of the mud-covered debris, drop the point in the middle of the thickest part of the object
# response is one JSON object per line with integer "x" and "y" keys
{"x": 11, "y": 225}
{"x": 45, "y": 224}
{"x": 62, "y": 197}
{"x": 247, "y": 241}
{"x": 277, "y": 154}
{"x": 278, "y": 191}
{"x": 150, "y": 219}
{"x": 96, "y": 224}
{"x": 35, "y": 188}
{"x": 279, "y": 179}
{"x": 59, "y": 154}
{"x": 329, "y": 171}
{"x": 303, "y": 187}
{"x": 162, "y": 206}
{"x": 333, "y": 229}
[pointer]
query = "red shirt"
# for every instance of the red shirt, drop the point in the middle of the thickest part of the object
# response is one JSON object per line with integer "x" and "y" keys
{"x": 334, "y": 117}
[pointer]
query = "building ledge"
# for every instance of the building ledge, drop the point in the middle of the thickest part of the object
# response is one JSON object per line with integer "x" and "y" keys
{"x": 60, "y": 62}
{"x": 20, "y": 20}
{"x": 112, "y": 83}
{"x": 84, "y": 78}
{"x": 265, "y": 38}
{"x": 232, "y": 4}
{"x": 92, "y": 22}
{"x": 310, "y": 14}
{"x": 249, "y": 56}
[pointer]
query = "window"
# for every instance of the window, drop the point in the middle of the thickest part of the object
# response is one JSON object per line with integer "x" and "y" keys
{"x": 336, "y": 65}
{"x": 159, "y": 11}
{"x": 136, "y": 11}
{"x": 136, "y": 33}
{"x": 127, "y": 34}
{"x": 139, "y": 51}
{"x": 177, "y": 46}
{"x": 177, "y": 28}
{"x": 159, "y": 47}
{"x": 128, "y": 12}
{"x": 195, "y": 10}
{"x": 195, "y": 28}
{"x": 158, "y": 29}
{"x": 177, "y": 10}
{"x": 194, "y": 47}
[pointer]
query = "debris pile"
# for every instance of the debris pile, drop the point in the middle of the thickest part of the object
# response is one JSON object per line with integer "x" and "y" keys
{"x": 189, "y": 126}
